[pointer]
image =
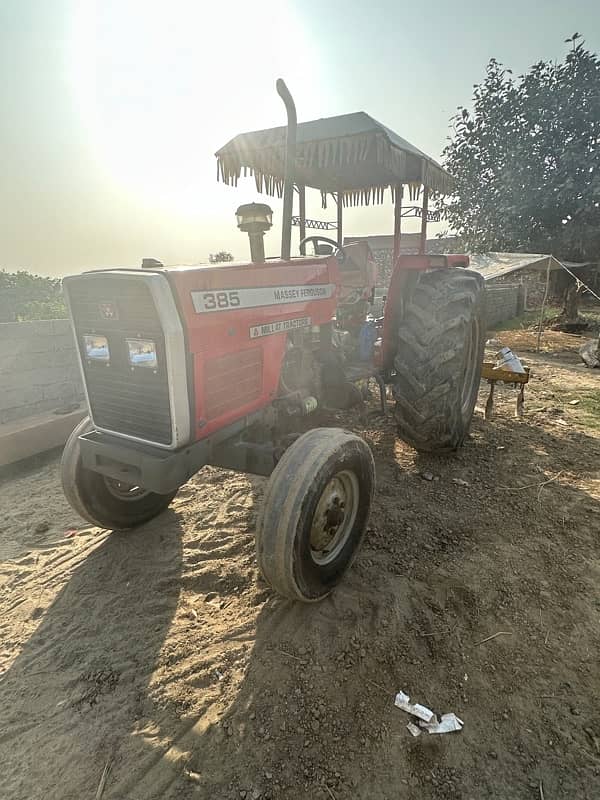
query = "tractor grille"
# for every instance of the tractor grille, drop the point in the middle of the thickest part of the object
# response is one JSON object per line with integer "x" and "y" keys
{"x": 126, "y": 399}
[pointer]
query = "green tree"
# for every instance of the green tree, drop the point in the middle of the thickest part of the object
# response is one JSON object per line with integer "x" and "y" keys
{"x": 526, "y": 159}
{"x": 25, "y": 296}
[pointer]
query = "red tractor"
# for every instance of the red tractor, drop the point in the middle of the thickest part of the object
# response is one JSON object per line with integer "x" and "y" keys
{"x": 224, "y": 365}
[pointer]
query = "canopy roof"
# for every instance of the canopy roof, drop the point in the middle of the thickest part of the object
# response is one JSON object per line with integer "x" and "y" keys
{"x": 352, "y": 154}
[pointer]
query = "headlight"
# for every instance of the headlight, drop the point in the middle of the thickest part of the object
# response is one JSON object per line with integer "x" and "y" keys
{"x": 142, "y": 353}
{"x": 96, "y": 347}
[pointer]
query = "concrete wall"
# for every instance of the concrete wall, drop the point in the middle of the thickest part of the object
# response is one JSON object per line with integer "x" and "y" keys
{"x": 38, "y": 369}
{"x": 503, "y": 302}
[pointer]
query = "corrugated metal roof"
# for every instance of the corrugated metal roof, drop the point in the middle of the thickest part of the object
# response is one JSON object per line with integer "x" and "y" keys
{"x": 495, "y": 265}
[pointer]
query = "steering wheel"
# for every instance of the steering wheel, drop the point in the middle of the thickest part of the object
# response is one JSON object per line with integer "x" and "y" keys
{"x": 315, "y": 239}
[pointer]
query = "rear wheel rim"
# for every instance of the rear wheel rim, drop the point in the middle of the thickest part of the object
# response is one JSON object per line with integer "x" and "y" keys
{"x": 471, "y": 367}
{"x": 334, "y": 518}
{"x": 128, "y": 492}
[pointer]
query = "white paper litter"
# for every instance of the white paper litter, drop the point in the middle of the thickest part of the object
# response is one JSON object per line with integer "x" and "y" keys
{"x": 427, "y": 720}
{"x": 447, "y": 724}
{"x": 422, "y": 712}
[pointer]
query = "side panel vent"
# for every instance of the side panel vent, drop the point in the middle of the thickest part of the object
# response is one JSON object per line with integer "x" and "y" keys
{"x": 232, "y": 381}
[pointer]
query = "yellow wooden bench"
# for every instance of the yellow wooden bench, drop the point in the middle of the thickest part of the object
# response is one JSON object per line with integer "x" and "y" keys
{"x": 492, "y": 375}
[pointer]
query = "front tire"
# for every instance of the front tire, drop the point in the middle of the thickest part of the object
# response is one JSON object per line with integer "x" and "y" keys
{"x": 315, "y": 513}
{"x": 101, "y": 500}
{"x": 440, "y": 343}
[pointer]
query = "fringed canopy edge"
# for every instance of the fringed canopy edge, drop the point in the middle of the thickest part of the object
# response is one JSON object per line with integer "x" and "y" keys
{"x": 259, "y": 156}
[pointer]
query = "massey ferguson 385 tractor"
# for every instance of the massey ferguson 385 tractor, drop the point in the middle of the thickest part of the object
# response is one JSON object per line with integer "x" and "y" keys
{"x": 224, "y": 365}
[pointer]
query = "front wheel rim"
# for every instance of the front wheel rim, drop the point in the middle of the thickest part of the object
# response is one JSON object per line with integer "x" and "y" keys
{"x": 128, "y": 492}
{"x": 334, "y": 517}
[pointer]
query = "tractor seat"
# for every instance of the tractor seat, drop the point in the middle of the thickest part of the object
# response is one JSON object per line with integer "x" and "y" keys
{"x": 358, "y": 272}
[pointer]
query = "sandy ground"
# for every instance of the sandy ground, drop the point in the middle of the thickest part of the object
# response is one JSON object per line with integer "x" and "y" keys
{"x": 157, "y": 664}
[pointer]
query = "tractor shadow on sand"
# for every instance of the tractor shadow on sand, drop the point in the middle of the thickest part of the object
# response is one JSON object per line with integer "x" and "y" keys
{"x": 307, "y": 711}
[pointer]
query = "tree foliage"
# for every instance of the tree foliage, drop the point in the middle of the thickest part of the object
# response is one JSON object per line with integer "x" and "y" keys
{"x": 221, "y": 257}
{"x": 526, "y": 159}
{"x": 25, "y": 296}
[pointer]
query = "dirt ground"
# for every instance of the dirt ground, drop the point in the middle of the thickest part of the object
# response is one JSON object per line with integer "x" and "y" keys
{"x": 156, "y": 664}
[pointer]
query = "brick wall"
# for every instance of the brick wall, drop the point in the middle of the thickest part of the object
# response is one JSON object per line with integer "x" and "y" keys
{"x": 503, "y": 302}
{"x": 38, "y": 369}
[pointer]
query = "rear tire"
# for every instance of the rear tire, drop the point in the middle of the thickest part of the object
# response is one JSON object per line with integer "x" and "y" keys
{"x": 440, "y": 343}
{"x": 101, "y": 500}
{"x": 315, "y": 513}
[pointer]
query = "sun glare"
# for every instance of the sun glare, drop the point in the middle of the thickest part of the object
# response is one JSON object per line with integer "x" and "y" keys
{"x": 160, "y": 86}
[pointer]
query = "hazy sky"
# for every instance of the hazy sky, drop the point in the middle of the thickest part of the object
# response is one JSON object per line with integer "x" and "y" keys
{"x": 111, "y": 110}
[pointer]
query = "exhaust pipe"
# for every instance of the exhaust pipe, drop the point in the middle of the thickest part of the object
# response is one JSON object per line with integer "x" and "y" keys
{"x": 290, "y": 168}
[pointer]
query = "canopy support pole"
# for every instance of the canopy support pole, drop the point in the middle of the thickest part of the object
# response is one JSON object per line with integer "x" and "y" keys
{"x": 290, "y": 165}
{"x": 423, "y": 243}
{"x": 340, "y": 206}
{"x": 302, "y": 198}
{"x": 397, "y": 221}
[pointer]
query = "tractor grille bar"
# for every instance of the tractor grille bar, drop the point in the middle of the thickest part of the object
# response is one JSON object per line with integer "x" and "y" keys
{"x": 125, "y": 398}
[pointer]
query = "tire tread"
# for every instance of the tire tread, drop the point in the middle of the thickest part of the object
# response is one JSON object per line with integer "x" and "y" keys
{"x": 431, "y": 340}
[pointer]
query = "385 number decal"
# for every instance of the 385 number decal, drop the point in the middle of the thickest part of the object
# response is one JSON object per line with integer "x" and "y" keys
{"x": 212, "y": 301}
{"x": 259, "y": 296}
